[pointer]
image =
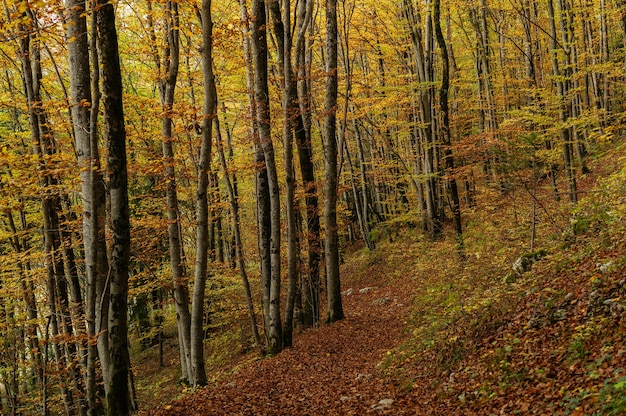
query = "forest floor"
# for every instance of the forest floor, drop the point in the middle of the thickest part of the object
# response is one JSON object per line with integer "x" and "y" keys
{"x": 330, "y": 370}
{"x": 429, "y": 331}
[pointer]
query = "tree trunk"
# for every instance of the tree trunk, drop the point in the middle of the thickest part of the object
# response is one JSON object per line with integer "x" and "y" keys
{"x": 562, "y": 84}
{"x": 80, "y": 106}
{"x": 167, "y": 86}
{"x": 261, "y": 91}
{"x": 333, "y": 283}
{"x": 427, "y": 146}
{"x": 118, "y": 395}
{"x": 445, "y": 124}
{"x": 234, "y": 207}
{"x": 43, "y": 147}
{"x": 202, "y": 211}
{"x": 261, "y": 181}
{"x": 290, "y": 113}
{"x": 311, "y": 287}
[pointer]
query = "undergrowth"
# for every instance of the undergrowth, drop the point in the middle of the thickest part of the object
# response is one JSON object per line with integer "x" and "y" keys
{"x": 481, "y": 337}
{"x": 547, "y": 340}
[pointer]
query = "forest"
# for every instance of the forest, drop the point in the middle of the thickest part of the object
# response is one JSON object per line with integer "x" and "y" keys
{"x": 194, "y": 191}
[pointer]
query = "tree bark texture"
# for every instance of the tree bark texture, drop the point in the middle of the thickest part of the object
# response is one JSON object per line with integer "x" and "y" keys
{"x": 261, "y": 92}
{"x": 333, "y": 283}
{"x": 118, "y": 394}
{"x": 202, "y": 209}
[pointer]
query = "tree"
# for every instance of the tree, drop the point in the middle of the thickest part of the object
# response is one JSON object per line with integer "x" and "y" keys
{"x": 428, "y": 149}
{"x": 91, "y": 181}
{"x": 167, "y": 87}
{"x": 202, "y": 213}
{"x": 269, "y": 198}
{"x": 445, "y": 124}
{"x": 333, "y": 283}
{"x": 241, "y": 262}
{"x": 310, "y": 287}
{"x": 290, "y": 114}
{"x": 563, "y": 85}
{"x": 118, "y": 394}
{"x": 59, "y": 260}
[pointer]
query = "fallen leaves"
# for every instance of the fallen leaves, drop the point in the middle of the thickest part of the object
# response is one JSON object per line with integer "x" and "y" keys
{"x": 542, "y": 345}
{"x": 332, "y": 370}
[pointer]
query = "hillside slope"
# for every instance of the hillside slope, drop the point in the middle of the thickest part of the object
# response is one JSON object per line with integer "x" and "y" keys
{"x": 431, "y": 332}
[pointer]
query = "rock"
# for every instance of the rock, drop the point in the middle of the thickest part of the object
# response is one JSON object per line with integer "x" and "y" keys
{"x": 512, "y": 276}
{"x": 381, "y": 301}
{"x": 366, "y": 289}
{"x": 384, "y": 404}
{"x": 559, "y": 314}
{"x": 606, "y": 267}
{"x": 609, "y": 302}
{"x": 521, "y": 265}
{"x": 525, "y": 261}
{"x": 348, "y": 292}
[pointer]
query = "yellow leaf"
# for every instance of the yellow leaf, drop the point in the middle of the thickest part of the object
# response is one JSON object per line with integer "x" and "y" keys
{"x": 22, "y": 6}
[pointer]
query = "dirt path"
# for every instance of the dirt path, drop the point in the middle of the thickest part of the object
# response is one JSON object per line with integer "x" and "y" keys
{"x": 330, "y": 371}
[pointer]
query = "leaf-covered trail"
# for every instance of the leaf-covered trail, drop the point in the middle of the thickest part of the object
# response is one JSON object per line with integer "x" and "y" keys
{"x": 332, "y": 370}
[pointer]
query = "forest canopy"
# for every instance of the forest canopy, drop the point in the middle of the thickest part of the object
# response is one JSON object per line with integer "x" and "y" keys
{"x": 188, "y": 163}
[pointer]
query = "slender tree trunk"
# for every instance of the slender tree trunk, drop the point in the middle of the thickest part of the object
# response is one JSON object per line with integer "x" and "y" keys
{"x": 167, "y": 87}
{"x": 290, "y": 113}
{"x": 311, "y": 288}
{"x": 562, "y": 84}
{"x": 100, "y": 287}
{"x": 361, "y": 199}
{"x": 333, "y": 283}
{"x": 427, "y": 144}
{"x": 364, "y": 200}
{"x": 202, "y": 211}
{"x": 234, "y": 207}
{"x": 118, "y": 395}
{"x": 80, "y": 106}
{"x": 445, "y": 125}
{"x": 261, "y": 180}
{"x": 261, "y": 90}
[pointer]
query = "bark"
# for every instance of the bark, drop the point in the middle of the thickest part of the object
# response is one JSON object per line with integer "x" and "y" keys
{"x": 241, "y": 263}
{"x": 311, "y": 287}
{"x": 202, "y": 211}
{"x": 445, "y": 125}
{"x": 167, "y": 86}
{"x": 261, "y": 92}
{"x": 80, "y": 107}
{"x": 102, "y": 288}
{"x": 290, "y": 113}
{"x": 261, "y": 180}
{"x": 333, "y": 283}
{"x": 118, "y": 394}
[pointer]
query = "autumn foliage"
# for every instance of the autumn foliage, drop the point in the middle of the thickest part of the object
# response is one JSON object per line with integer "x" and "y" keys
{"x": 420, "y": 201}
